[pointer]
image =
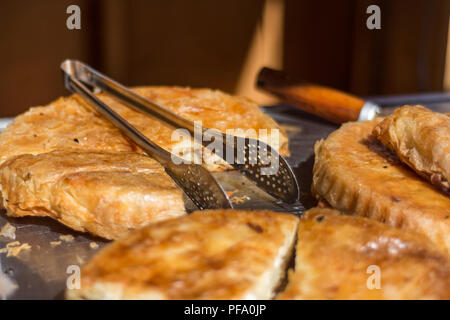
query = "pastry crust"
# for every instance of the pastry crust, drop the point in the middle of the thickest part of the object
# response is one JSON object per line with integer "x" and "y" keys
{"x": 69, "y": 123}
{"x": 421, "y": 139}
{"x": 105, "y": 193}
{"x": 339, "y": 257}
{"x": 355, "y": 173}
{"x": 209, "y": 254}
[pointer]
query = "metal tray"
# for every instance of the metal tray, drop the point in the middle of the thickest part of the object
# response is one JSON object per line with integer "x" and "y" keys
{"x": 41, "y": 272}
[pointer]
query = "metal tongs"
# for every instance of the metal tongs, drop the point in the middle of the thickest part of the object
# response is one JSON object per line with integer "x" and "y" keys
{"x": 250, "y": 156}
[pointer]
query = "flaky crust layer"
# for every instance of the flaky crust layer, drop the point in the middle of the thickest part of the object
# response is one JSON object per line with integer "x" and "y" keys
{"x": 105, "y": 193}
{"x": 69, "y": 123}
{"x": 355, "y": 173}
{"x": 209, "y": 254}
{"x": 337, "y": 257}
{"x": 421, "y": 139}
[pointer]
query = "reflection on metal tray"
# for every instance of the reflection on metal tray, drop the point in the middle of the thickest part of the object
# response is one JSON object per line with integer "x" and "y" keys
{"x": 41, "y": 272}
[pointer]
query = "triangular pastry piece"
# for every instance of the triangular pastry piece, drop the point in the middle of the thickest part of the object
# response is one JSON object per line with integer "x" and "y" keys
{"x": 209, "y": 254}
{"x": 348, "y": 257}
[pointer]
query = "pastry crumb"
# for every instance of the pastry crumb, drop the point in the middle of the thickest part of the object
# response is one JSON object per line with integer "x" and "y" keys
{"x": 55, "y": 243}
{"x": 236, "y": 199}
{"x": 12, "y": 249}
{"x": 12, "y": 244}
{"x": 79, "y": 259}
{"x": 93, "y": 245}
{"x": 231, "y": 193}
{"x": 241, "y": 199}
{"x": 67, "y": 238}
{"x": 8, "y": 231}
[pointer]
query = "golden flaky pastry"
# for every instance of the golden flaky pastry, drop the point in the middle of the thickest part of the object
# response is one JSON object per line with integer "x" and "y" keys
{"x": 345, "y": 257}
{"x": 105, "y": 193}
{"x": 69, "y": 123}
{"x": 421, "y": 139}
{"x": 354, "y": 172}
{"x": 209, "y": 254}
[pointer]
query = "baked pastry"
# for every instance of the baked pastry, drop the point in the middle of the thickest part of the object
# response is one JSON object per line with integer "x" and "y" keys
{"x": 348, "y": 257}
{"x": 421, "y": 139}
{"x": 355, "y": 173}
{"x": 70, "y": 123}
{"x": 105, "y": 193}
{"x": 209, "y": 254}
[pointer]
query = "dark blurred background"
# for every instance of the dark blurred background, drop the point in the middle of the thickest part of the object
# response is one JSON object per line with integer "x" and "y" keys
{"x": 222, "y": 44}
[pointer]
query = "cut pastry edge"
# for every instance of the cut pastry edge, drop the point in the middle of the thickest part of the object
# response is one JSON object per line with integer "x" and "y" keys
{"x": 273, "y": 278}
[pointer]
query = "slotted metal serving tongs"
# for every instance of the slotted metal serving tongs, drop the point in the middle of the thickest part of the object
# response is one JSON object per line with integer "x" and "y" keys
{"x": 257, "y": 160}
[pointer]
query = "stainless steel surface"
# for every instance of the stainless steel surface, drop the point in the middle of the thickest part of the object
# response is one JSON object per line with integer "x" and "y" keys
{"x": 196, "y": 182}
{"x": 438, "y": 101}
{"x": 440, "y": 107}
{"x": 41, "y": 272}
{"x": 257, "y": 160}
{"x": 426, "y": 99}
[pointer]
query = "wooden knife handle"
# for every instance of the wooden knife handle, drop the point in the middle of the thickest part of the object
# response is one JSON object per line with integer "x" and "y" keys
{"x": 327, "y": 103}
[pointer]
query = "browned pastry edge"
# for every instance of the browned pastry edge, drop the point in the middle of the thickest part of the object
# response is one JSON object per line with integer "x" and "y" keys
{"x": 68, "y": 123}
{"x": 421, "y": 139}
{"x": 105, "y": 193}
{"x": 337, "y": 256}
{"x": 360, "y": 176}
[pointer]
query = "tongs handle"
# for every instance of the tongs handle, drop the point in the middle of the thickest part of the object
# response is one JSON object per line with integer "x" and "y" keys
{"x": 96, "y": 79}
{"x": 73, "y": 80}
